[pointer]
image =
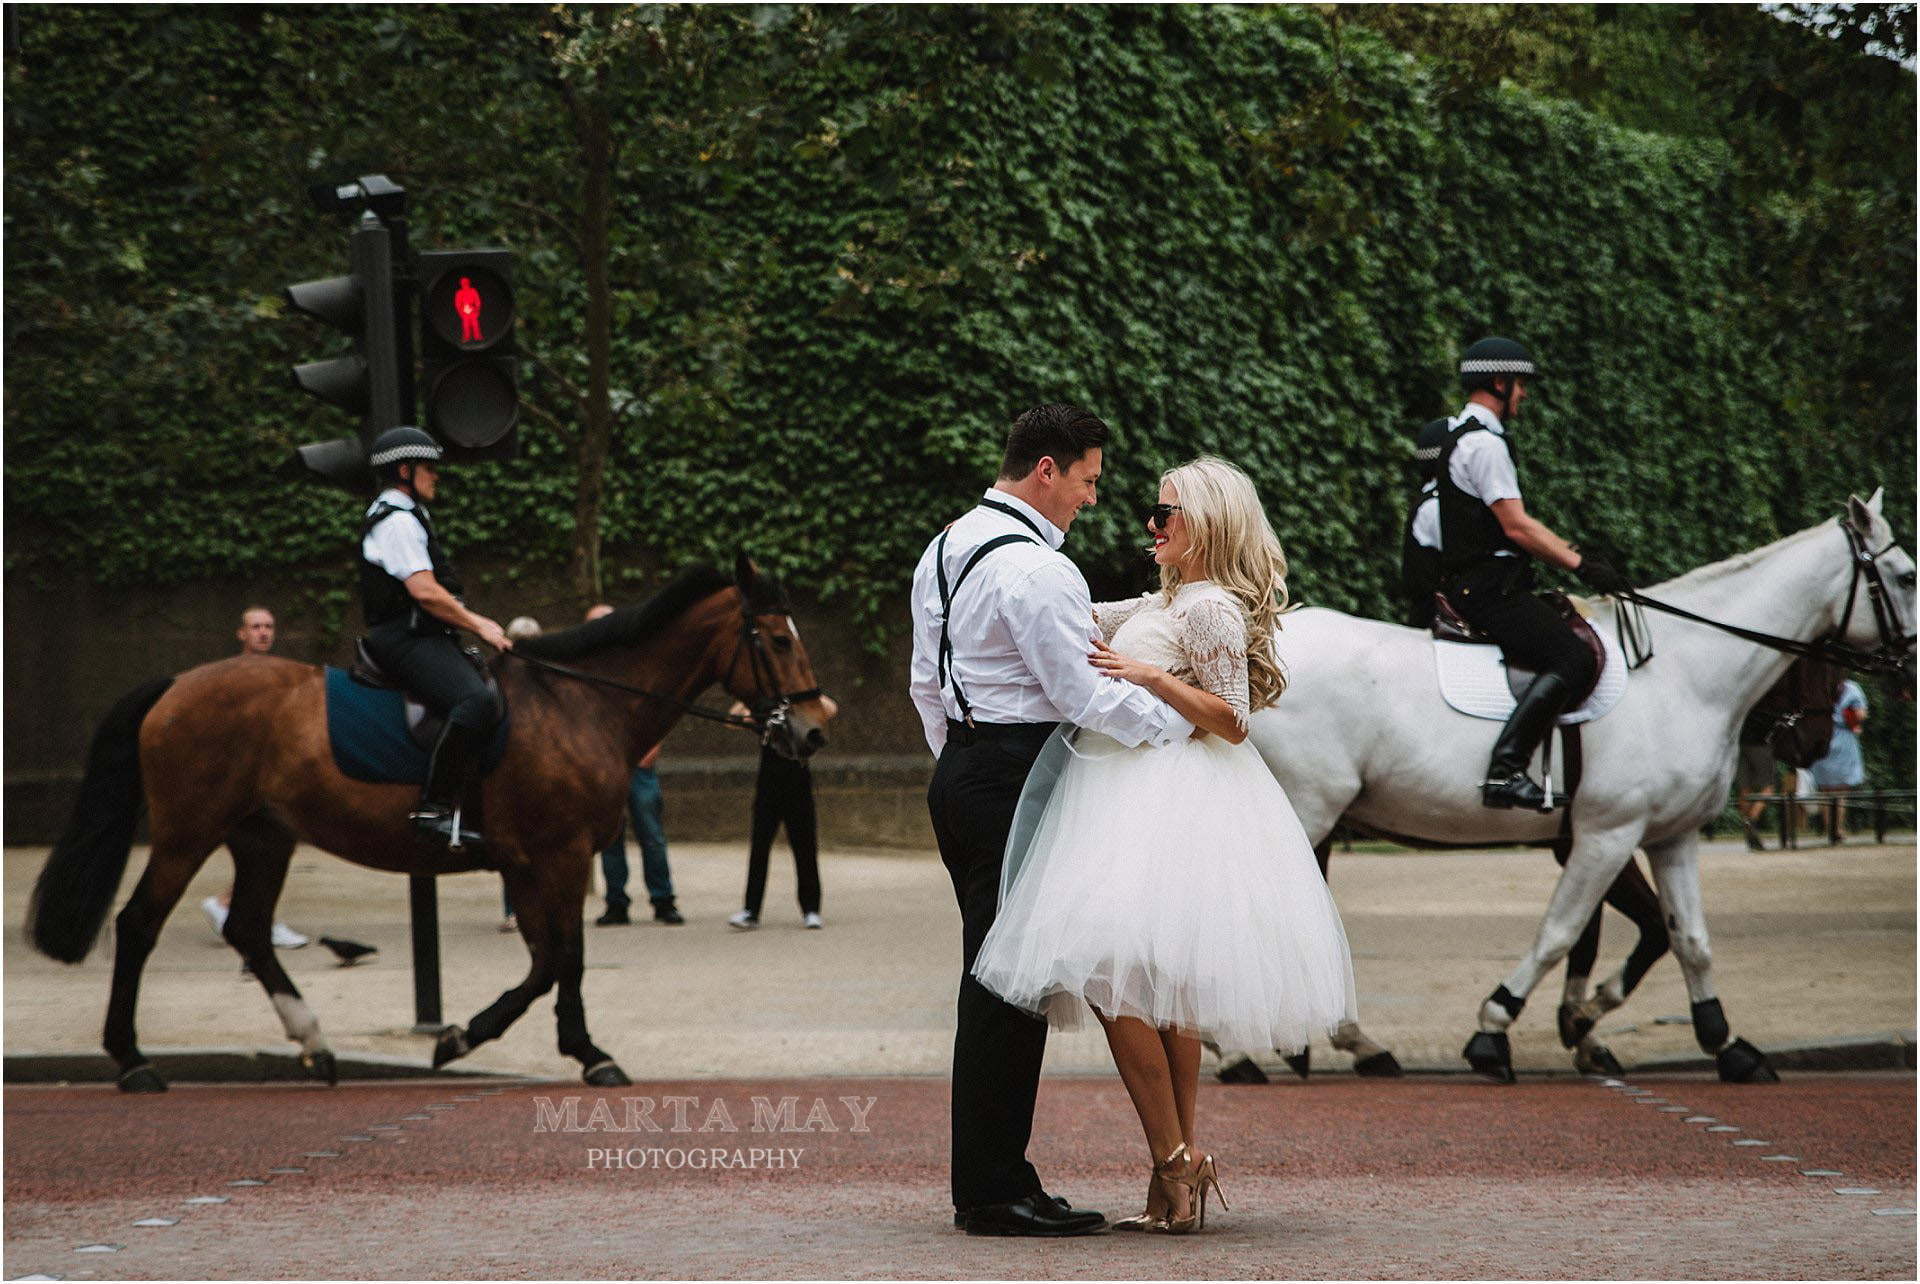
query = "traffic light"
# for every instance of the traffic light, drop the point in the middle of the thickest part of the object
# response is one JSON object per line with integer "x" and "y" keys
{"x": 469, "y": 379}
{"x": 369, "y": 383}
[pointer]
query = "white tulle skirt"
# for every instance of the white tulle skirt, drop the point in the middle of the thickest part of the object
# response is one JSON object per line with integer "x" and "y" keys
{"x": 1170, "y": 884}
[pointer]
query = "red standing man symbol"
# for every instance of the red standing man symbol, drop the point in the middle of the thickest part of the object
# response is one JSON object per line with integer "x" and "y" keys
{"x": 466, "y": 301}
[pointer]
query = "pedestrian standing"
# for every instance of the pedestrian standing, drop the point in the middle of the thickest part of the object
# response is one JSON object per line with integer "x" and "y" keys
{"x": 783, "y": 795}
{"x": 1842, "y": 771}
{"x": 646, "y": 810}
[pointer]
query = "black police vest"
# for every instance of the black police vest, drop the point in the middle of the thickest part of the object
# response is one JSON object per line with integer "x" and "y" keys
{"x": 1470, "y": 534}
{"x": 383, "y": 597}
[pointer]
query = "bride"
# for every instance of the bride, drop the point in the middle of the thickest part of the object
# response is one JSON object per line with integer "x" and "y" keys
{"x": 1172, "y": 889}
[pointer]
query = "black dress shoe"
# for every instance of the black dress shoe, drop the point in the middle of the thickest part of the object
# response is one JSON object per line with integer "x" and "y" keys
{"x": 1038, "y": 1216}
{"x": 960, "y": 1215}
{"x": 665, "y": 911}
{"x": 616, "y": 916}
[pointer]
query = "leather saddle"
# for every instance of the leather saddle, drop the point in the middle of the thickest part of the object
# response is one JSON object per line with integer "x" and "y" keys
{"x": 1450, "y": 626}
{"x": 423, "y": 725}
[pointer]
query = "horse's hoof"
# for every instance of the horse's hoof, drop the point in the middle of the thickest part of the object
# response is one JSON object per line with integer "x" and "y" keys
{"x": 451, "y": 1046}
{"x": 1242, "y": 1071}
{"x": 142, "y": 1078}
{"x": 1381, "y": 1065}
{"x": 321, "y": 1066}
{"x": 1741, "y": 1062}
{"x": 606, "y": 1074}
{"x": 1301, "y": 1063}
{"x": 1245, "y": 1070}
{"x": 1596, "y": 1058}
{"x": 1491, "y": 1055}
{"x": 1575, "y": 1025}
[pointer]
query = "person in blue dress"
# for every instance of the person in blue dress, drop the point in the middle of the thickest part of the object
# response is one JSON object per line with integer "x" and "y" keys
{"x": 1842, "y": 770}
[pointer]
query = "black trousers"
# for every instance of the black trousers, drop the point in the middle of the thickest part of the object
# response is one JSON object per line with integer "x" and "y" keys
{"x": 997, "y": 1048}
{"x": 783, "y": 793}
{"x": 435, "y": 672}
{"x": 1497, "y": 597}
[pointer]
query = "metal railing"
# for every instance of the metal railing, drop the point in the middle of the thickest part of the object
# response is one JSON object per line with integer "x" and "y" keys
{"x": 1885, "y": 806}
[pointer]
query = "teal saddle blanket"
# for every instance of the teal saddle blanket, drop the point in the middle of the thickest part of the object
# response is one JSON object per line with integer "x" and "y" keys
{"x": 368, "y": 729}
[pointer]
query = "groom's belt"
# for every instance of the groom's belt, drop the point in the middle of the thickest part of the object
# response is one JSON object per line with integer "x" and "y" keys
{"x": 963, "y": 733}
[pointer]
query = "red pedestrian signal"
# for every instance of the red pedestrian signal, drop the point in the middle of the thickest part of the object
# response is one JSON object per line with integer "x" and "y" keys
{"x": 469, "y": 379}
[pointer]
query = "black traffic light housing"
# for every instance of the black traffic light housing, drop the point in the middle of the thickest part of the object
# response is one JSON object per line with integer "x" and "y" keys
{"x": 372, "y": 382}
{"x": 469, "y": 380}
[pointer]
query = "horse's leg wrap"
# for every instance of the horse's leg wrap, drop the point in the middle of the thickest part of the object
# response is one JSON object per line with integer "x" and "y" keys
{"x": 1710, "y": 1028}
{"x": 1500, "y": 1009}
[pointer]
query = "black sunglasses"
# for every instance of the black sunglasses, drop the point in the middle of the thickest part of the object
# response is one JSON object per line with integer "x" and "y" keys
{"x": 1159, "y": 514}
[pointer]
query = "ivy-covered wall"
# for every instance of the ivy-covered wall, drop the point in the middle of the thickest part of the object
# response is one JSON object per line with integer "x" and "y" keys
{"x": 1226, "y": 229}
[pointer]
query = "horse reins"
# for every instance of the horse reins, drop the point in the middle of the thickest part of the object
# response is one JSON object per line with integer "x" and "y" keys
{"x": 768, "y": 713}
{"x": 1888, "y": 657}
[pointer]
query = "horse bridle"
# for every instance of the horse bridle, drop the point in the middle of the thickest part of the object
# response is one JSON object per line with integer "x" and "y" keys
{"x": 766, "y": 714}
{"x": 1890, "y": 656}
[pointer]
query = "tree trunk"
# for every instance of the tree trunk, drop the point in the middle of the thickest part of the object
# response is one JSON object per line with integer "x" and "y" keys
{"x": 593, "y": 127}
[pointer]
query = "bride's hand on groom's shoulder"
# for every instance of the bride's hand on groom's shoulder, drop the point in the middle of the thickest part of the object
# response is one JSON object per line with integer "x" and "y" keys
{"x": 1112, "y": 664}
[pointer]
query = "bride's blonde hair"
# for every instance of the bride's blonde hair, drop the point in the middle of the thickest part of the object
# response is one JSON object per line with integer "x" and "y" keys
{"x": 1234, "y": 544}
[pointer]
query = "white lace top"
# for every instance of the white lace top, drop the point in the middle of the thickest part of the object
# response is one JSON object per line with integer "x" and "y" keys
{"x": 1199, "y": 638}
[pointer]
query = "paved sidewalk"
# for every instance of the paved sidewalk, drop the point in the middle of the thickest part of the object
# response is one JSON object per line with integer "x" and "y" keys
{"x": 1809, "y": 946}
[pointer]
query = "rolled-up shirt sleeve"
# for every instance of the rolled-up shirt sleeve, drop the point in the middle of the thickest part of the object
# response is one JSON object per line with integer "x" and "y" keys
{"x": 1050, "y": 616}
{"x": 923, "y": 683}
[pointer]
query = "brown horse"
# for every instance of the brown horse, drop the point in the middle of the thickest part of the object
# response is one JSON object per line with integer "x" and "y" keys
{"x": 237, "y": 752}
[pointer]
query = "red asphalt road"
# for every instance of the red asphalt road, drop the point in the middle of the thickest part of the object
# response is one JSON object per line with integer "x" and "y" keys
{"x": 1338, "y": 1178}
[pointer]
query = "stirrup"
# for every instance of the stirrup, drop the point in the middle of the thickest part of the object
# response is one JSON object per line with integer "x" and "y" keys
{"x": 442, "y": 822}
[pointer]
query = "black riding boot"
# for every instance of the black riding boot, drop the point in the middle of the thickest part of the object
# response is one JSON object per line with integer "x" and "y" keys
{"x": 1507, "y": 783}
{"x": 455, "y": 766}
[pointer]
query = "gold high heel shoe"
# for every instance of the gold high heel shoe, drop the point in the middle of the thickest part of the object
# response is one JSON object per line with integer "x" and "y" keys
{"x": 1176, "y": 1172}
{"x": 1207, "y": 1179}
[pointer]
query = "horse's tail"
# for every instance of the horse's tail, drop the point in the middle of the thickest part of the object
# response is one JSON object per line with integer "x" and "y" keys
{"x": 71, "y": 898}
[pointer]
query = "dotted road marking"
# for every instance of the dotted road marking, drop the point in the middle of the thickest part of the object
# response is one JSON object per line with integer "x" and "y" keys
{"x": 1641, "y": 1095}
{"x": 421, "y": 1118}
{"x": 247, "y": 1181}
{"x": 208, "y": 1199}
{"x": 322, "y": 1154}
{"x": 158, "y": 1221}
{"x": 61, "y": 1277}
{"x": 356, "y": 1136}
{"x": 98, "y": 1248}
{"x": 287, "y": 1171}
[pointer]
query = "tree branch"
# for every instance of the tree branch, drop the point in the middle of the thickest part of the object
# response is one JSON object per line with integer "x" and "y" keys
{"x": 553, "y": 421}
{"x": 567, "y": 385}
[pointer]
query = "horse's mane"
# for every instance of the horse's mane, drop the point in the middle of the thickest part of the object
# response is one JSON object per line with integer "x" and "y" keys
{"x": 1713, "y": 571}
{"x": 630, "y": 625}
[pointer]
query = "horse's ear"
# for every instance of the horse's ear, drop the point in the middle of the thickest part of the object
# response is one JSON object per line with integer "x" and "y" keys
{"x": 1861, "y": 512}
{"x": 744, "y": 572}
{"x": 1873, "y": 505}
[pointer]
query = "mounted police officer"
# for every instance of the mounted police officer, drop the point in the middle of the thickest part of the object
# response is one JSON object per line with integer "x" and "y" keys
{"x": 1487, "y": 543}
{"x": 410, "y": 596}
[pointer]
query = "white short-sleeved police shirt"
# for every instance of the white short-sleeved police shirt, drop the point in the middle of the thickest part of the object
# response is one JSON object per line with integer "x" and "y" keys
{"x": 1426, "y": 517}
{"x": 398, "y": 545}
{"x": 1481, "y": 466}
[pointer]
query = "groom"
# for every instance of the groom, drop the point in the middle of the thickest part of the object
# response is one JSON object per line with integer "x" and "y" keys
{"x": 1002, "y": 626}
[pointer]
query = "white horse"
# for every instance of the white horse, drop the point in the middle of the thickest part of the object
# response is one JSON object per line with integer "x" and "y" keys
{"x": 1363, "y": 734}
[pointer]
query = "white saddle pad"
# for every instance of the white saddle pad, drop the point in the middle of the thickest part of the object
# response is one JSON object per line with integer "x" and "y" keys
{"x": 1473, "y": 679}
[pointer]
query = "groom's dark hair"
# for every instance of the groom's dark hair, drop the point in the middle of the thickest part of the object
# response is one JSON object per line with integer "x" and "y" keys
{"x": 1059, "y": 431}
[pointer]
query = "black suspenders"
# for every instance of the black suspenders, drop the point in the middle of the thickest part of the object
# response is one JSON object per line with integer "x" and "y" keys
{"x": 944, "y": 662}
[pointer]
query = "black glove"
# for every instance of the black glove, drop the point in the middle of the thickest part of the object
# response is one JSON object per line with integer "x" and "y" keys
{"x": 1598, "y": 574}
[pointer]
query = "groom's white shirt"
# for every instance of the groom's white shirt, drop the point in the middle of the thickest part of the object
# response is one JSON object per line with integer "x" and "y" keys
{"x": 1021, "y": 630}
